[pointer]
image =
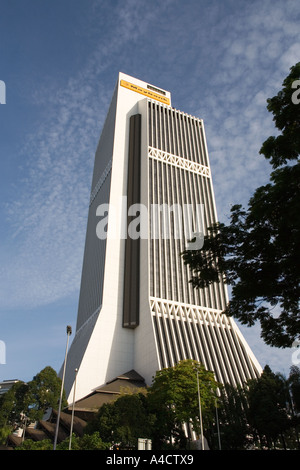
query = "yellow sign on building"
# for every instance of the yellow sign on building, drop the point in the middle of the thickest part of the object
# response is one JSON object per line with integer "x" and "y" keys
{"x": 143, "y": 91}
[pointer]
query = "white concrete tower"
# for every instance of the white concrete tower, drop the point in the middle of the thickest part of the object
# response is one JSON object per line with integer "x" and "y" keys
{"x": 151, "y": 190}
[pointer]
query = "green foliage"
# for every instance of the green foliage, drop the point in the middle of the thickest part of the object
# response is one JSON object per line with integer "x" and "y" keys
{"x": 294, "y": 389}
{"x": 174, "y": 398}
{"x": 31, "y": 399}
{"x": 123, "y": 421}
{"x": 257, "y": 253}
{"x": 267, "y": 406}
{"x": 286, "y": 146}
{"x": 13, "y": 403}
{"x": 44, "y": 390}
{"x": 87, "y": 442}
{"x": 4, "y": 433}
{"x": 233, "y": 418}
{"x": 29, "y": 444}
{"x": 262, "y": 413}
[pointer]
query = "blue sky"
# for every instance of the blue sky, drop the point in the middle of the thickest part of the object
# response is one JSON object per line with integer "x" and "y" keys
{"x": 59, "y": 60}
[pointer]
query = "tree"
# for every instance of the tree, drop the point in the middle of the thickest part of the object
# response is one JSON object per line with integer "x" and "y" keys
{"x": 30, "y": 399}
{"x": 173, "y": 397}
{"x": 294, "y": 388}
{"x": 123, "y": 421}
{"x": 257, "y": 253}
{"x": 263, "y": 412}
{"x": 293, "y": 397}
{"x": 12, "y": 404}
{"x": 286, "y": 146}
{"x": 44, "y": 391}
{"x": 267, "y": 406}
{"x": 234, "y": 425}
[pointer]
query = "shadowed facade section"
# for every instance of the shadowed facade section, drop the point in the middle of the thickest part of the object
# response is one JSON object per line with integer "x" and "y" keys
{"x": 132, "y": 246}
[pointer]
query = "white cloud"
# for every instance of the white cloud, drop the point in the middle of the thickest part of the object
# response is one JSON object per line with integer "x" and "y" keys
{"x": 291, "y": 55}
{"x": 256, "y": 45}
{"x": 237, "y": 60}
{"x": 47, "y": 218}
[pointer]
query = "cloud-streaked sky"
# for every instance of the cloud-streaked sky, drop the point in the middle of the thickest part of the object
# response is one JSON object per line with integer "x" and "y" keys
{"x": 60, "y": 59}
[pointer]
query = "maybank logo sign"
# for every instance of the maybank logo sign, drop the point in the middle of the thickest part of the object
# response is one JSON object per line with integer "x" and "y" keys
{"x": 146, "y": 92}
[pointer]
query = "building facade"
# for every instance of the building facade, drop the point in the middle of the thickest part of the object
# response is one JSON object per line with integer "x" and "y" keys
{"x": 151, "y": 195}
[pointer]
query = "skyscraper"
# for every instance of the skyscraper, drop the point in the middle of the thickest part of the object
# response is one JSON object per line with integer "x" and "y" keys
{"x": 151, "y": 194}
